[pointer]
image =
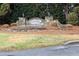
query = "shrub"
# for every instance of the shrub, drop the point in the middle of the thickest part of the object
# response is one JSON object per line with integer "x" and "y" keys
{"x": 4, "y": 8}
{"x": 72, "y": 18}
{"x": 4, "y": 13}
{"x": 37, "y": 10}
{"x": 76, "y": 9}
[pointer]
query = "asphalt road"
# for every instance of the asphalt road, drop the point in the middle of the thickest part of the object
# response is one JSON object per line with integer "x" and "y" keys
{"x": 48, "y": 51}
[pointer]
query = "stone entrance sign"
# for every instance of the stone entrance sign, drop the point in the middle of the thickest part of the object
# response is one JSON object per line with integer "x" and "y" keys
{"x": 36, "y": 23}
{"x": 33, "y": 23}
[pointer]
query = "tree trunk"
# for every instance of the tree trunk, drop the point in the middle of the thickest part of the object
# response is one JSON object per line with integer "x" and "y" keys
{"x": 66, "y": 11}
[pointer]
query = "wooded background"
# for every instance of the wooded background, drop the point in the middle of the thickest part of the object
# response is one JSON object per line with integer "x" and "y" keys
{"x": 65, "y": 13}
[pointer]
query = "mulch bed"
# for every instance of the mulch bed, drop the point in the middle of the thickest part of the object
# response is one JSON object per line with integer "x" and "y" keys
{"x": 51, "y": 30}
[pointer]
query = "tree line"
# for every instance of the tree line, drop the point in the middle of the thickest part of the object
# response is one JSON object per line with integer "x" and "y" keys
{"x": 62, "y": 11}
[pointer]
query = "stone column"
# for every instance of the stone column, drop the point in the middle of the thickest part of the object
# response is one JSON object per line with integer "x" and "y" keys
{"x": 21, "y": 23}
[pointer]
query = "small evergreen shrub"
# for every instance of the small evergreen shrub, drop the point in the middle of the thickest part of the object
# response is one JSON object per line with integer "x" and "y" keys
{"x": 76, "y": 9}
{"x": 4, "y": 8}
{"x": 72, "y": 18}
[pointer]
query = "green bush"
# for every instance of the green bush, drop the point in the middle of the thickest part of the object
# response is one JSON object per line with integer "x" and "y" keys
{"x": 72, "y": 18}
{"x": 37, "y": 10}
{"x": 76, "y": 9}
{"x": 4, "y": 8}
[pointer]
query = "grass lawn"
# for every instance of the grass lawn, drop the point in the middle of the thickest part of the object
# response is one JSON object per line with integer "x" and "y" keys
{"x": 25, "y": 41}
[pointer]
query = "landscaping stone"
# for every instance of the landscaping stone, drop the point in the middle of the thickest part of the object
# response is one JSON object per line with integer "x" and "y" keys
{"x": 48, "y": 18}
{"x": 69, "y": 25}
{"x": 5, "y": 26}
{"x": 13, "y": 24}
